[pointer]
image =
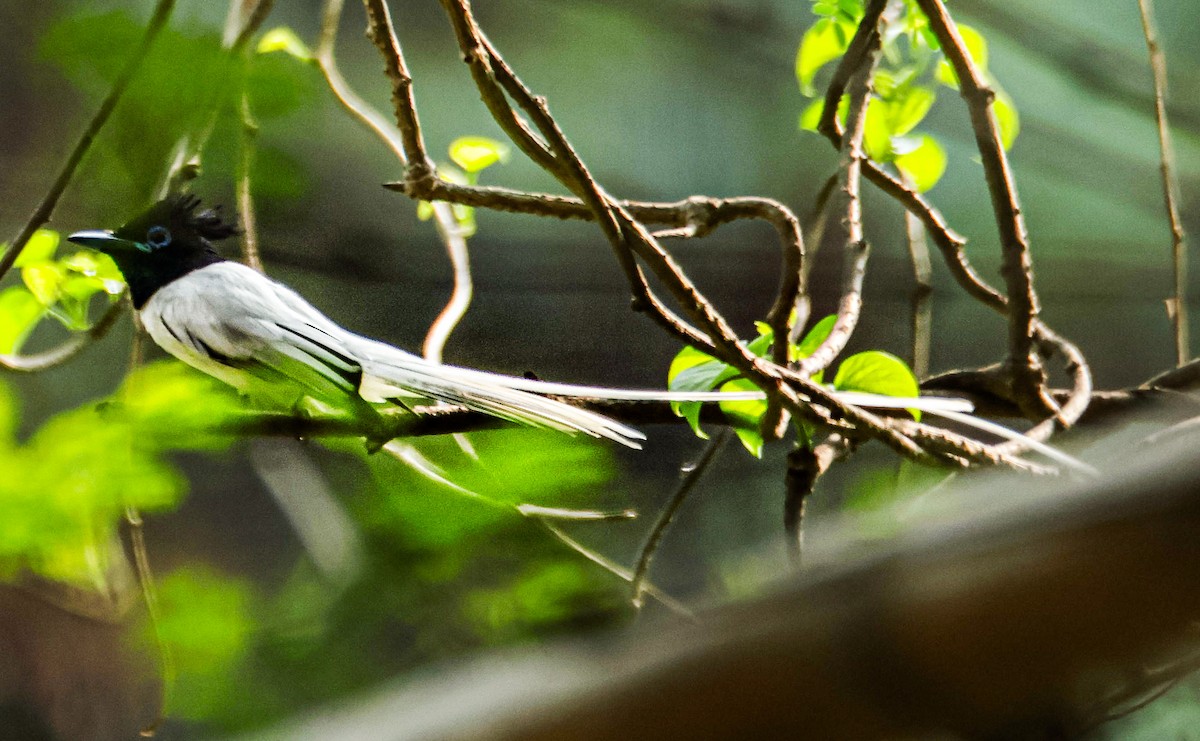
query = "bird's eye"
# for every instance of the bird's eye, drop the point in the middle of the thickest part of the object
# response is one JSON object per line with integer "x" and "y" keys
{"x": 158, "y": 237}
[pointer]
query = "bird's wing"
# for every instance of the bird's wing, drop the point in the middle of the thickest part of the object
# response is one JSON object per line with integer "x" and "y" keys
{"x": 239, "y": 326}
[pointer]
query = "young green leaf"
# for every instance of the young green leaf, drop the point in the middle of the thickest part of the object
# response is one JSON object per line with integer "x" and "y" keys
{"x": 476, "y": 153}
{"x": 925, "y": 164}
{"x": 39, "y": 248}
{"x": 745, "y": 416}
{"x": 44, "y": 280}
{"x": 1007, "y": 119}
{"x": 284, "y": 39}
{"x": 877, "y": 372}
{"x": 19, "y": 314}
{"x": 820, "y": 45}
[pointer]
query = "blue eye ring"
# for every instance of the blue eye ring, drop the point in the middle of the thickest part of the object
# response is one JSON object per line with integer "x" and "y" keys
{"x": 158, "y": 237}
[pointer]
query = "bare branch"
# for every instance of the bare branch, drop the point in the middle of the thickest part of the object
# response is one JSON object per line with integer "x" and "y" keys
{"x": 1177, "y": 304}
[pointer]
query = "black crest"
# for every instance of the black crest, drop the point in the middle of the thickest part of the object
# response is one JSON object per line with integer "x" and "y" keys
{"x": 208, "y": 223}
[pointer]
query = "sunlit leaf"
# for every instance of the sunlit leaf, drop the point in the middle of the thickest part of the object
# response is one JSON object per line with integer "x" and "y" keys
{"x": 910, "y": 109}
{"x": 877, "y": 372}
{"x": 924, "y": 165}
{"x": 476, "y": 153}
{"x": 44, "y": 281}
{"x": 820, "y": 45}
{"x": 19, "y": 314}
{"x": 976, "y": 46}
{"x": 424, "y": 210}
{"x": 745, "y": 416}
{"x": 284, "y": 39}
{"x": 877, "y": 131}
{"x": 39, "y": 248}
{"x": 810, "y": 118}
{"x": 1007, "y": 119}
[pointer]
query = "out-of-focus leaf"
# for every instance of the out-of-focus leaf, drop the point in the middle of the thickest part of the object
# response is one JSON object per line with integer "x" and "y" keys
{"x": 44, "y": 281}
{"x": 910, "y": 108}
{"x": 1007, "y": 119}
{"x": 284, "y": 39}
{"x": 476, "y": 153}
{"x": 924, "y": 165}
{"x": 277, "y": 174}
{"x": 178, "y": 85}
{"x": 810, "y": 118}
{"x": 512, "y": 467}
{"x": 821, "y": 44}
{"x": 205, "y": 619}
{"x": 976, "y": 47}
{"x": 877, "y": 131}
{"x": 424, "y": 210}
{"x": 39, "y": 248}
{"x": 278, "y": 86}
{"x": 19, "y": 314}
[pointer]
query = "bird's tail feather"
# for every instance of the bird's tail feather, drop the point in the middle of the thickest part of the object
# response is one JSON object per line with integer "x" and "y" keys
{"x": 396, "y": 373}
{"x": 519, "y": 400}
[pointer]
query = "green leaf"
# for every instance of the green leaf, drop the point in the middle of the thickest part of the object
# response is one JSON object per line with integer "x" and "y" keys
{"x": 19, "y": 314}
{"x": 284, "y": 39}
{"x": 277, "y": 86}
{"x": 946, "y": 75}
{"x": 814, "y": 337}
{"x": 877, "y": 372}
{"x": 745, "y": 416}
{"x": 39, "y": 248}
{"x": 476, "y": 153}
{"x": 820, "y": 45}
{"x": 924, "y": 165}
{"x": 96, "y": 265}
{"x": 44, "y": 280}
{"x": 424, "y": 210}
{"x": 910, "y": 109}
{"x": 1007, "y": 119}
{"x": 976, "y": 46}
{"x": 810, "y": 118}
{"x": 877, "y": 131}
{"x": 977, "y": 49}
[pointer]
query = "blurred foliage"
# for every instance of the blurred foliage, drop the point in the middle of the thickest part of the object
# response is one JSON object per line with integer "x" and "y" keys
{"x": 904, "y": 86}
{"x": 187, "y": 84}
{"x": 61, "y": 289}
{"x": 872, "y": 372}
{"x": 66, "y": 489}
{"x": 445, "y": 569}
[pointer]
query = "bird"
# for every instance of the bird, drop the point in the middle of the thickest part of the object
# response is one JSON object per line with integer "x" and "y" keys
{"x": 262, "y": 338}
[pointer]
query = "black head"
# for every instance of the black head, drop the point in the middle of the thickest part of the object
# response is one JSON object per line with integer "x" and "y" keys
{"x": 164, "y": 243}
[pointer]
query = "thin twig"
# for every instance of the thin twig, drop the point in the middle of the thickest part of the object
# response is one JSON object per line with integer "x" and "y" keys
{"x": 856, "y": 248}
{"x": 654, "y": 539}
{"x": 1177, "y": 304}
{"x": 45, "y": 209}
{"x": 245, "y": 199}
{"x": 616, "y": 569}
{"x": 69, "y": 348}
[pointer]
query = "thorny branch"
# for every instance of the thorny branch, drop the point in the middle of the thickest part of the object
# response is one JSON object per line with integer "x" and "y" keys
{"x": 540, "y": 138}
